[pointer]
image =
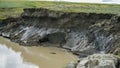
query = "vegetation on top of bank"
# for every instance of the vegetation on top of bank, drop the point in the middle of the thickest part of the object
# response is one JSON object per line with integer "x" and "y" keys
{"x": 14, "y": 8}
{"x": 10, "y": 12}
{"x": 64, "y": 6}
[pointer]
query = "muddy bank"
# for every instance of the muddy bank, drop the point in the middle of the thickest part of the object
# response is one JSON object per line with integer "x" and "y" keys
{"x": 82, "y": 33}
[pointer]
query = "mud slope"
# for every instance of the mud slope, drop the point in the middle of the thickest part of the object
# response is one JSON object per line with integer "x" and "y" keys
{"x": 82, "y": 33}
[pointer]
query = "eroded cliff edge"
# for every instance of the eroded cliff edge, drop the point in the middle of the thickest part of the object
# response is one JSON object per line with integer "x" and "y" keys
{"x": 82, "y": 33}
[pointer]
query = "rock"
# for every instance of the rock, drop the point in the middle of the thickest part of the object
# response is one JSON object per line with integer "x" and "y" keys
{"x": 71, "y": 65}
{"x": 99, "y": 61}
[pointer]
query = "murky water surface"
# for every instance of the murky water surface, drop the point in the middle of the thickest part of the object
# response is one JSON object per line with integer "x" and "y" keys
{"x": 14, "y": 56}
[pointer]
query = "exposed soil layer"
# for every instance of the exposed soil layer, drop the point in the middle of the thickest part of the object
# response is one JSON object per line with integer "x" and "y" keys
{"x": 82, "y": 33}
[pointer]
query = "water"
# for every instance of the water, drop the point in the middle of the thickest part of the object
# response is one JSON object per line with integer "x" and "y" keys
{"x": 12, "y": 59}
{"x": 15, "y": 56}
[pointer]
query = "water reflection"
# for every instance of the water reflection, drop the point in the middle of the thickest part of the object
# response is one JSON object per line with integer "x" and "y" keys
{"x": 12, "y": 59}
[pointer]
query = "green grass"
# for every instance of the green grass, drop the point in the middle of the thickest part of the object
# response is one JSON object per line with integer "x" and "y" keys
{"x": 14, "y": 8}
{"x": 10, "y": 12}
